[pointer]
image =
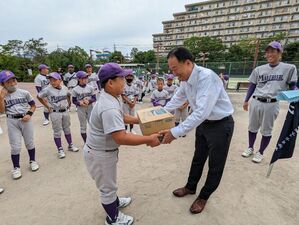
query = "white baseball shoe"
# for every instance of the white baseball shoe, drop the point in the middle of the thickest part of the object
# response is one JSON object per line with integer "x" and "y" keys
{"x": 16, "y": 173}
{"x": 1, "y": 190}
{"x": 124, "y": 201}
{"x": 73, "y": 148}
{"x": 61, "y": 154}
{"x": 121, "y": 219}
{"x": 34, "y": 166}
{"x": 248, "y": 152}
{"x": 258, "y": 157}
{"x": 46, "y": 122}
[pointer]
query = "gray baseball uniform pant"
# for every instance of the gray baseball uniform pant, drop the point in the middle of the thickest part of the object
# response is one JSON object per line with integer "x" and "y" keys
{"x": 181, "y": 115}
{"x": 262, "y": 116}
{"x": 60, "y": 121}
{"x": 16, "y": 129}
{"x": 83, "y": 115}
{"x": 102, "y": 167}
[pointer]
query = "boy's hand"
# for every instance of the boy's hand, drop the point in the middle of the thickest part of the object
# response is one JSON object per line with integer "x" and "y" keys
{"x": 26, "y": 118}
{"x": 154, "y": 140}
{"x": 245, "y": 106}
{"x": 3, "y": 92}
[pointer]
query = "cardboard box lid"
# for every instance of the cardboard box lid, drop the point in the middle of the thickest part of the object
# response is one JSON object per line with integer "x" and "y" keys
{"x": 153, "y": 114}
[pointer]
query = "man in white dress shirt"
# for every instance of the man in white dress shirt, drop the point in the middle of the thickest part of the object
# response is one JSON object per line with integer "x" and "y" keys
{"x": 211, "y": 117}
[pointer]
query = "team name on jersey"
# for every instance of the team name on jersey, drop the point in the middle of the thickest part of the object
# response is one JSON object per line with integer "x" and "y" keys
{"x": 92, "y": 79}
{"x": 55, "y": 99}
{"x": 266, "y": 78}
{"x": 12, "y": 102}
{"x": 83, "y": 95}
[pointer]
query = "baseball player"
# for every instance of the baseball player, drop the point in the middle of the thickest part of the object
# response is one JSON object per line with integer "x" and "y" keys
{"x": 265, "y": 83}
{"x": 140, "y": 87}
{"x": 1, "y": 189}
{"x": 93, "y": 79}
{"x": 41, "y": 82}
{"x": 160, "y": 96}
{"x": 59, "y": 100}
{"x": 170, "y": 87}
{"x": 19, "y": 106}
{"x": 105, "y": 135}
{"x": 83, "y": 96}
{"x": 129, "y": 97}
{"x": 153, "y": 82}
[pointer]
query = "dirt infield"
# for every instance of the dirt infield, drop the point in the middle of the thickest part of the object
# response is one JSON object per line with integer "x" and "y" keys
{"x": 62, "y": 193}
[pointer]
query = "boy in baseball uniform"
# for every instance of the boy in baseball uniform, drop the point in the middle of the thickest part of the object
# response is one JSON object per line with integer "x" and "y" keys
{"x": 160, "y": 96}
{"x": 41, "y": 82}
{"x": 140, "y": 87}
{"x": 129, "y": 97}
{"x": 83, "y": 96}
{"x": 105, "y": 135}
{"x": 70, "y": 77}
{"x": 59, "y": 101}
{"x": 19, "y": 106}
{"x": 93, "y": 79}
{"x": 266, "y": 82}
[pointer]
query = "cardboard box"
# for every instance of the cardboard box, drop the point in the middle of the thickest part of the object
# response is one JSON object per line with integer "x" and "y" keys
{"x": 154, "y": 119}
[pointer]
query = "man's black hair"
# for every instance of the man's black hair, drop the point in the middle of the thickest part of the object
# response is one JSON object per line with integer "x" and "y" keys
{"x": 103, "y": 84}
{"x": 182, "y": 54}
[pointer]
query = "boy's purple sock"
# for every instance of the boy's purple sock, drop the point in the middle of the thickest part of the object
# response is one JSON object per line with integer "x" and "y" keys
{"x": 15, "y": 160}
{"x": 68, "y": 138}
{"x": 111, "y": 210}
{"x": 83, "y": 135}
{"x": 264, "y": 143}
{"x": 46, "y": 115}
{"x": 58, "y": 143}
{"x": 251, "y": 138}
{"x": 31, "y": 153}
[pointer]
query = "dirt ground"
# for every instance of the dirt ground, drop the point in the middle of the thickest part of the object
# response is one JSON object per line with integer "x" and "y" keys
{"x": 62, "y": 192}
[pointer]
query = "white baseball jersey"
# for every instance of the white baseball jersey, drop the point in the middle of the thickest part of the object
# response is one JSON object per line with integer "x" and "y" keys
{"x": 106, "y": 117}
{"x": 130, "y": 91}
{"x": 271, "y": 80}
{"x": 83, "y": 92}
{"x": 93, "y": 80}
{"x": 41, "y": 81}
{"x": 170, "y": 89}
{"x": 160, "y": 97}
{"x": 71, "y": 79}
{"x": 57, "y": 98}
{"x": 139, "y": 85}
{"x": 18, "y": 102}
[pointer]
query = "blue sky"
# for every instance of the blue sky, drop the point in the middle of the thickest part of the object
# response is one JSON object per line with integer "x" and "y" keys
{"x": 91, "y": 24}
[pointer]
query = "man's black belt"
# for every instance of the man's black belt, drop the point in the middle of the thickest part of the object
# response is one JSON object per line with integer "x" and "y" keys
{"x": 216, "y": 121}
{"x": 267, "y": 100}
{"x": 15, "y": 116}
{"x": 59, "y": 110}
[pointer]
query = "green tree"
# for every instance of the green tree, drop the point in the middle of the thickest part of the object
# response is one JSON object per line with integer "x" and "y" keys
{"x": 76, "y": 56}
{"x": 35, "y": 49}
{"x": 204, "y": 48}
{"x": 13, "y": 47}
{"x": 133, "y": 53}
{"x": 117, "y": 57}
{"x": 291, "y": 52}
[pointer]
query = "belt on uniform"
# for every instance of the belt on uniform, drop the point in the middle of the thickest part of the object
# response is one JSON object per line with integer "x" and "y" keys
{"x": 15, "y": 116}
{"x": 59, "y": 110}
{"x": 112, "y": 150}
{"x": 216, "y": 121}
{"x": 267, "y": 100}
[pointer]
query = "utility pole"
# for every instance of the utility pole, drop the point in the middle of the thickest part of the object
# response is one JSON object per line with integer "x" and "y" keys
{"x": 158, "y": 57}
{"x": 114, "y": 47}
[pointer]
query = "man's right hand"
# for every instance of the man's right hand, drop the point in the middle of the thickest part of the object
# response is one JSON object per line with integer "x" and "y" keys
{"x": 245, "y": 106}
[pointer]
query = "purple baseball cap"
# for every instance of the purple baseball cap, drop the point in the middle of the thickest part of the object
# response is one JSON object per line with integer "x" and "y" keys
{"x": 70, "y": 66}
{"x": 111, "y": 70}
{"x": 275, "y": 45}
{"x": 169, "y": 76}
{"x": 43, "y": 66}
{"x": 81, "y": 74}
{"x": 87, "y": 65}
{"x": 54, "y": 75}
{"x": 5, "y": 75}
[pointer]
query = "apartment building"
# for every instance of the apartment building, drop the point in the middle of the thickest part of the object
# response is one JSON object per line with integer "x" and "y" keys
{"x": 230, "y": 20}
